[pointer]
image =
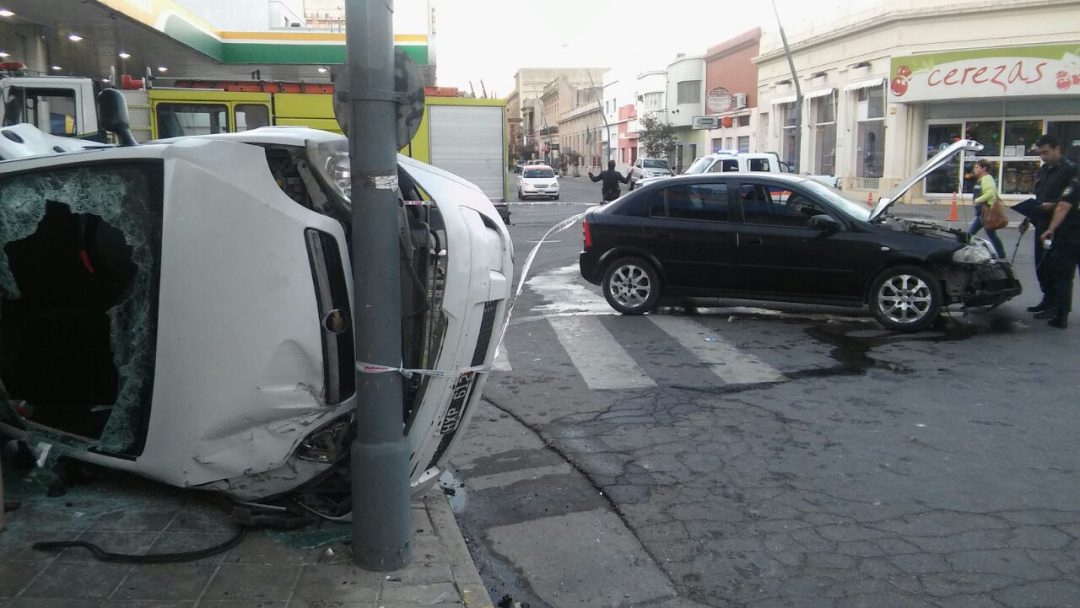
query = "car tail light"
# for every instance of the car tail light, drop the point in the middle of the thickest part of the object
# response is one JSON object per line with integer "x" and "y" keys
{"x": 586, "y": 232}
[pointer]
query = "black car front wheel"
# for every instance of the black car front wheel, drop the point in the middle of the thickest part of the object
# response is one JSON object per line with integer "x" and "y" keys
{"x": 631, "y": 286}
{"x": 905, "y": 298}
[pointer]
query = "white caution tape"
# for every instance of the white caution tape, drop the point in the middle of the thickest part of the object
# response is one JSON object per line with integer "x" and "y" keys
{"x": 556, "y": 229}
{"x": 384, "y": 182}
{"x": 374, "y": 368}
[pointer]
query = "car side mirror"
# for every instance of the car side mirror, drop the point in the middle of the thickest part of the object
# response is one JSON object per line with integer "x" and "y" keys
{"x": 113, "y": 112}
{"x": 825, "y": 223}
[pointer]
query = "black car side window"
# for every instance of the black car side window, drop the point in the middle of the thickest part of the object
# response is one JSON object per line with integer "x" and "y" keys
{"x": 776, "y": 206}
{"x": 702, "y": 202}
{"x": 657, "y": 206}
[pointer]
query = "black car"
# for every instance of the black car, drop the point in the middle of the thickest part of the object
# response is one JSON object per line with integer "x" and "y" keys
{"x": 782, "y": 237}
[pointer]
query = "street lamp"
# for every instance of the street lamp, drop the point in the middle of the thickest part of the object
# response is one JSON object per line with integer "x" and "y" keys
{"x": 603, "y": 115}
{"x": 798, "y": 93}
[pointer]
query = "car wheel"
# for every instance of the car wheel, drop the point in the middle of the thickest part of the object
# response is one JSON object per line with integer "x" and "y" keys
{"x": 905, "y": 298}
{"x": 556, "y": 197}
{"x": 631, "y": 286}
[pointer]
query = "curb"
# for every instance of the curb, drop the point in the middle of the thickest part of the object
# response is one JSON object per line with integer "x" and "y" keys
{"x": 466, "y": 578}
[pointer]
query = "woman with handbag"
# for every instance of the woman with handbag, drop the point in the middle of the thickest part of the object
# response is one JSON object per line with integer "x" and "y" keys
{"x": 986, "y": 199}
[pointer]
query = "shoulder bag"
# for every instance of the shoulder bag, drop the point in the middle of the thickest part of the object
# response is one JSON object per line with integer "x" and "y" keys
{"x": 994, "y": 217}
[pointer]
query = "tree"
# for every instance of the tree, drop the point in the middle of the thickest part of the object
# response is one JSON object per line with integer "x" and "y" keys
{"x": 657, "y": 137}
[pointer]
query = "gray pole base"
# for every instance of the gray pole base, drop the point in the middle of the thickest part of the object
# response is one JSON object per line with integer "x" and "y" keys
{"x": 381, "y": 517}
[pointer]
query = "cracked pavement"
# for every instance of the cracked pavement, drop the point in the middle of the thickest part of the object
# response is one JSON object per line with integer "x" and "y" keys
{"x": 935, "y": 470}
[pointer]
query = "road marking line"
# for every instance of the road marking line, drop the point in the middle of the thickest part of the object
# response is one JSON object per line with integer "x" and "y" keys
{"x": 564, "y": 291}
{"x": 600, "y": 360}
{"x": 502, "y": 360}
{"x": 732, "y": 365}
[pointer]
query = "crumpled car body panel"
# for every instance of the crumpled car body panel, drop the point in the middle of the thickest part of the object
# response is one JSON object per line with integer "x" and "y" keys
{"x": 238, "y": 369}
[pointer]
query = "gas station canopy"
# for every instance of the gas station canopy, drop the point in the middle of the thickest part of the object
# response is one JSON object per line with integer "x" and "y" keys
{"x": 165, "y": 39}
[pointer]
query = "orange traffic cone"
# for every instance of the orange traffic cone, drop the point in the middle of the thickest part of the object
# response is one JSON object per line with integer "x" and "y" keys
{"x": 954, "y": 213}
{"x": 870, "y": 200}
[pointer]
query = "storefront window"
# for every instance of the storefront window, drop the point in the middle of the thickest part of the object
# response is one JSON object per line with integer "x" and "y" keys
{"x": 1018, "y": 177}
{"x": 946, "y": 179}
{"x": 1020, "y": 138}
{"x": 823, "y": 111}
{"x": 1008, "y": 145}
{"x": 870, "y": 134}
{"x": 787, "y": 134}
{"x": 1067, "y": 133}
{"x": 987, "y": 133}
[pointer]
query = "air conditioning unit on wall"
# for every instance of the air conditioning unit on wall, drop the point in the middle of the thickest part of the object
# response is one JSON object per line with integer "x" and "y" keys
{"x": 740, "y": 101}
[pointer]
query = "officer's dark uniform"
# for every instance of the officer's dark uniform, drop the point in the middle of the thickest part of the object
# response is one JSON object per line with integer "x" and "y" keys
{"x": 1064, "y": 254}
{"x": 1050, "y": 183}
{"x": 610, "y": 188}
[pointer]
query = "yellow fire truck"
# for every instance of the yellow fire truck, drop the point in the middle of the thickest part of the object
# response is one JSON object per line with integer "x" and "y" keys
{"x": 464, "y": 136}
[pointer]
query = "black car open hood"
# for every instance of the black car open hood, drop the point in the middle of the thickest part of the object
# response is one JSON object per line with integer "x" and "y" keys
{"x": 939, "y": 159}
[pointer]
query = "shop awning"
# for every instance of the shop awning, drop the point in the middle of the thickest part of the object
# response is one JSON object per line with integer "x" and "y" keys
{"x": 782, "y": 100}
{"x": 864, "y": 84}
{"x": 819, "y": 93}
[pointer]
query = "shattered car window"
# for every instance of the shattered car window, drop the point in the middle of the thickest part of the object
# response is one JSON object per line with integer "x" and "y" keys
{"x": 79, "y": 265}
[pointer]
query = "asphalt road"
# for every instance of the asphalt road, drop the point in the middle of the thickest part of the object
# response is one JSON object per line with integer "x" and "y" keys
{"x": 738, "y": 456}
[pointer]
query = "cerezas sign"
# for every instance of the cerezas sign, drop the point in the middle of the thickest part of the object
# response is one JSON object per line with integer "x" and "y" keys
{"x": 1001, "y": 72}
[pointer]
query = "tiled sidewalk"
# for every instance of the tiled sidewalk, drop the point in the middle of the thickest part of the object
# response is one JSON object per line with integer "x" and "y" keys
{"x": 129, "y": 515}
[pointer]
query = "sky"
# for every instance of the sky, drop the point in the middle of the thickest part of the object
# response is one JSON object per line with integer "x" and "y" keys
{"x": 489, "y": 40}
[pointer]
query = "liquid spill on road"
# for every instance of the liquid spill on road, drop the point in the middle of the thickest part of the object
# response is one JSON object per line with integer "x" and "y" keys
{"x": 852, "y": 343}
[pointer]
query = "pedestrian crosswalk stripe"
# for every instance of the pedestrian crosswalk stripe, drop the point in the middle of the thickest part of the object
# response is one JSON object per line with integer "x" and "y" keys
{"x": 502, "y": 360}
{"x": 732, "y": 365}
{"x": 600, "y": 360}
{"x": 565, "y": 293}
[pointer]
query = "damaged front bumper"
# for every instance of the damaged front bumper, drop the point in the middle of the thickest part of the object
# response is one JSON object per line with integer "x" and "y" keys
{"x": 975, "y": 278}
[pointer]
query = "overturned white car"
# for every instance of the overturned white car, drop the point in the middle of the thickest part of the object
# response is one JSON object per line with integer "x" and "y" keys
{"x": 180, "y": 309}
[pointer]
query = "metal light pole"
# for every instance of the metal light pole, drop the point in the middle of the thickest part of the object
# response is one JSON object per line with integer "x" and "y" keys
{"x": 798, "y": 92}
{"x": 381, "y": 522}
{"x": 603, "y": 114}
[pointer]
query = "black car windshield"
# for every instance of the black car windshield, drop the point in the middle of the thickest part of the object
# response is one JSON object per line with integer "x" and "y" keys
{"x": 539, "y": 173}
{"x": 850, "y": 207}
{"x": 655, "y": 163}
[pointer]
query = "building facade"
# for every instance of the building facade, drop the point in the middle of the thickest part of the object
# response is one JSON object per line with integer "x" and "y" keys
{"x": 731, "y": 93}
{"x": 685, "y": 102}
{"x": 618, "y": 141}
{"x": 537, "y": 123}
{"x": 650, "y": 100}
{"x": 879, "y": 101}
{"x": 580, "y": 130}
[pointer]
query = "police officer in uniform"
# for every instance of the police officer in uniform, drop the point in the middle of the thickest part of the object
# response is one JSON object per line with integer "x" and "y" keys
{"x": 1063, "y": 236}
{"x": 1054, "y": 176}
{"x": 611, "y": 178}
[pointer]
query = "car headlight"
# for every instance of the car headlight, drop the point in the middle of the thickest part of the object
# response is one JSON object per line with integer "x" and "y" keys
{"x": 978, "y": 252}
